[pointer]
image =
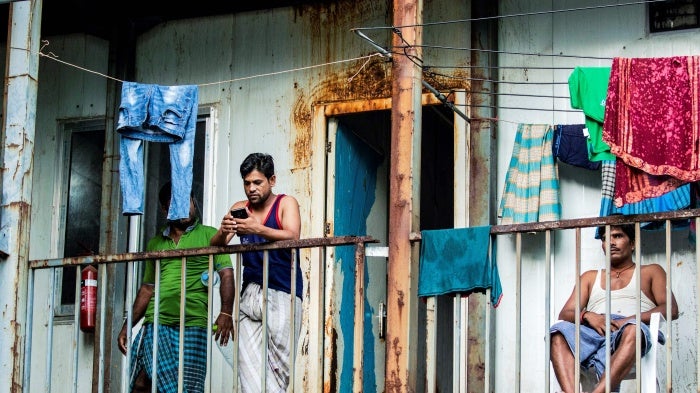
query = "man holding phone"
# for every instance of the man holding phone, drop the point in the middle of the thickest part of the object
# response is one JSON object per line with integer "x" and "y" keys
{"x": 269, "y": 217}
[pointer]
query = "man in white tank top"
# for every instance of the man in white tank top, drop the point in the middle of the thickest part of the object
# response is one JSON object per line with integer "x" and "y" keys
{"x": 623, "y": 301}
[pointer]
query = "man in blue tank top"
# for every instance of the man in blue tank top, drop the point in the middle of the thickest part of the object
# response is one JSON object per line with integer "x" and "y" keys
{"x": 270, "y": 217}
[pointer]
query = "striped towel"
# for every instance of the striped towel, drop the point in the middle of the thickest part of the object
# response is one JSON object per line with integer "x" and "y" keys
{"x": 531, "y": 191}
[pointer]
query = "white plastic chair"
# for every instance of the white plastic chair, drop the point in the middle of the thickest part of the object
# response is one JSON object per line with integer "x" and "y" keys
{"x": 648, "y": 364}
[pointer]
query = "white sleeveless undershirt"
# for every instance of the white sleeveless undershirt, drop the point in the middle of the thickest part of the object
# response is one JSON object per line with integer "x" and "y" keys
{"x": 622, "y": 301}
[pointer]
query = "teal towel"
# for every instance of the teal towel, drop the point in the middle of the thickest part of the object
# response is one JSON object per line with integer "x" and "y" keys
{"x": 457, "y": 261}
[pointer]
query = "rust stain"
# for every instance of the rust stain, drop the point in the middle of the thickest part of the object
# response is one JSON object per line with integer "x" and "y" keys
{"x": 301, "y": 118}
{"x": 394, "y": 382}
{"x": 371, "y": 82}
{"x": 456, "y": 80}
{"x": 331, "y": 385}
{"x": 341, "y": 82}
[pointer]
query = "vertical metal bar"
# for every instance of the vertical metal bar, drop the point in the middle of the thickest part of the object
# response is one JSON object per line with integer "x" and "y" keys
{"x": 488, "y": 366}
{"x": 669, "y": 309}
{"x": 577, "y": 284}
{"x": 547, "y": 304}
{"x": 49, "y": 331}
{"x": 607, "y": 308}
{"x": 102, "y": 277}
{"x": 210, "y": 317}
{"x": 237, "y": 290}
{"x": 431, "y": 315}
{"x": 638, "y": 306}
{"x": 76, "y": 328}
{"x": 456, "y": 342}
{"x": 518, "y": 288}
{"x": 405, "y": 149}
{"x": 129, "y": 301}
{"x": 263, "y": 355}
{"x": 293, "y": 309}
{"x": 29, "y": 332}
{"x": 697, "y": 315}
{"x": 132, "y": 246}
{"x": 156, "y": 321}
{"x": 183, "y": 300}
{"x": 359, "y": 318}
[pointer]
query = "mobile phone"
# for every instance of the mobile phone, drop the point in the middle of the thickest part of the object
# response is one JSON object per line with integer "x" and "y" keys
{"x": 239, "y": 213}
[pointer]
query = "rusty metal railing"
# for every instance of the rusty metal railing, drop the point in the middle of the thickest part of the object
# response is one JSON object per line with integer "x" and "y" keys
{"x": 101, "y": 261}
{"x": 544, "y": 251}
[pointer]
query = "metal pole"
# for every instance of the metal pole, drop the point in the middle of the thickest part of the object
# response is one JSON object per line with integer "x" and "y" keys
{"x": 21, "y": 78}
{"x": 405, "y": 158}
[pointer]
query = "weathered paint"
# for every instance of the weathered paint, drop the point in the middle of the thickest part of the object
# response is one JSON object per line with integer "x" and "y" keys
{"x": 405, "y": 153}
{"x": 482, "y": 164}
{"x": 19, "y": 125}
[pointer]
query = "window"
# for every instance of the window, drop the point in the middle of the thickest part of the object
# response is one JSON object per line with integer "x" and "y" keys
{"x": 673, "y": 15}
{"x": 84, "y": 152}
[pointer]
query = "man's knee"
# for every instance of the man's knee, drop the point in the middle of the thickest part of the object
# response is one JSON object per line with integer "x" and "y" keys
{"x": 557, "y": 339}
{"x": 628, "y": 335}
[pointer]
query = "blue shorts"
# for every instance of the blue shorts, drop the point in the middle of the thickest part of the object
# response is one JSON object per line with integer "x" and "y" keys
{"x": 593, "y": 344}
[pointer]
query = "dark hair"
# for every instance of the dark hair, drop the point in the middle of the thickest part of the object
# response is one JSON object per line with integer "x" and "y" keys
{"x": 258, "y": 162}
{"x": 164, "y": 194}
{"x": 166, "y": 191}
{"x": 628, "y": 229}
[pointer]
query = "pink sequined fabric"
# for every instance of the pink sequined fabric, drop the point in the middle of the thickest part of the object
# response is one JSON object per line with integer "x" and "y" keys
{"x": 651, "y": 123}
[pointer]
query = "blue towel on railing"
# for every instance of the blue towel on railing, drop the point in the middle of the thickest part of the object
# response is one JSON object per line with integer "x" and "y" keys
{"x": 457, "y": 261}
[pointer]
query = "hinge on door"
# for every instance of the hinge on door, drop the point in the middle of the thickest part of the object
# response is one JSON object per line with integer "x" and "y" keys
{"x": 328, "y": 228}
{"x": 329, "y": 147}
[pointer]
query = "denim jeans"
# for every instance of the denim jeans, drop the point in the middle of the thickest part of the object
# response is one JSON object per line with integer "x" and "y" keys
{"x": 152, "y": 113}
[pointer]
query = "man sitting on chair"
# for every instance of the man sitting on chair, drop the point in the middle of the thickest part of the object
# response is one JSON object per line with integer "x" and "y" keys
{"x": 623, "y": 302}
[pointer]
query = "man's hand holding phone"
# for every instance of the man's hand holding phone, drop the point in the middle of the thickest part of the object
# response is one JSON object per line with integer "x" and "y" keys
{"x": 240, "y": 213}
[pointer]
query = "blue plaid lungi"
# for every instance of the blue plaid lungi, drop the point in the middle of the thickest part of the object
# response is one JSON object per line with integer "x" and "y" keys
{"x": 195, "y": 357}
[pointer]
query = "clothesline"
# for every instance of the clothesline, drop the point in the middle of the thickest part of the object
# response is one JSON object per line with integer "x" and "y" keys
{"x": 54, "y": 57}
{"x": 427, "y": 24}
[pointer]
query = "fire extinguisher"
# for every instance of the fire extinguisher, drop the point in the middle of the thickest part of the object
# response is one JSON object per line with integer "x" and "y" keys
{"x": 88, "y": 299}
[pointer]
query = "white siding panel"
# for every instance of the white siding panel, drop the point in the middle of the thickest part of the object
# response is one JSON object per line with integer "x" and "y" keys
{"x": 601, "y": 33}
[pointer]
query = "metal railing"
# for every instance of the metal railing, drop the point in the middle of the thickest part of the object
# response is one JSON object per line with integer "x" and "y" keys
{"x": 667, "y": 219}
{"x": 101, "y": 362}
{"x": 539, "y": 252}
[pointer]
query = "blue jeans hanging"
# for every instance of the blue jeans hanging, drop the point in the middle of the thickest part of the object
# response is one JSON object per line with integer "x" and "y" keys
{"x": 152, "y": 113}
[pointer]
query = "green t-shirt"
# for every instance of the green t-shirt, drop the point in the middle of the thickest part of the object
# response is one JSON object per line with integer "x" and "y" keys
{"x": 588, "y": 88}
{"x": 196, "y": 307}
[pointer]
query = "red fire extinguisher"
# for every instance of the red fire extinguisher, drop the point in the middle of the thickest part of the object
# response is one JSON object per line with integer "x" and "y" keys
{"x": 88, "y": 299}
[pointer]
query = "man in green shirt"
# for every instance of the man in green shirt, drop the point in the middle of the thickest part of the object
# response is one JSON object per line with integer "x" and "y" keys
{"x": 178, "y": 234}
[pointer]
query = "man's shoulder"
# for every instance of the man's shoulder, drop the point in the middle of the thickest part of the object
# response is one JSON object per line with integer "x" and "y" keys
{"x": 652, "y": 268}
{"x": 286, "y": 200}
{"x": 205, "y": 228}
{"x": 592, "y": 272}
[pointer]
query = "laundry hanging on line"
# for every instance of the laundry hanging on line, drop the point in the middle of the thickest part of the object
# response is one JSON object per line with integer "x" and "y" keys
{"x": 164, "y": 114}
{"x": 531, "y": 191}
